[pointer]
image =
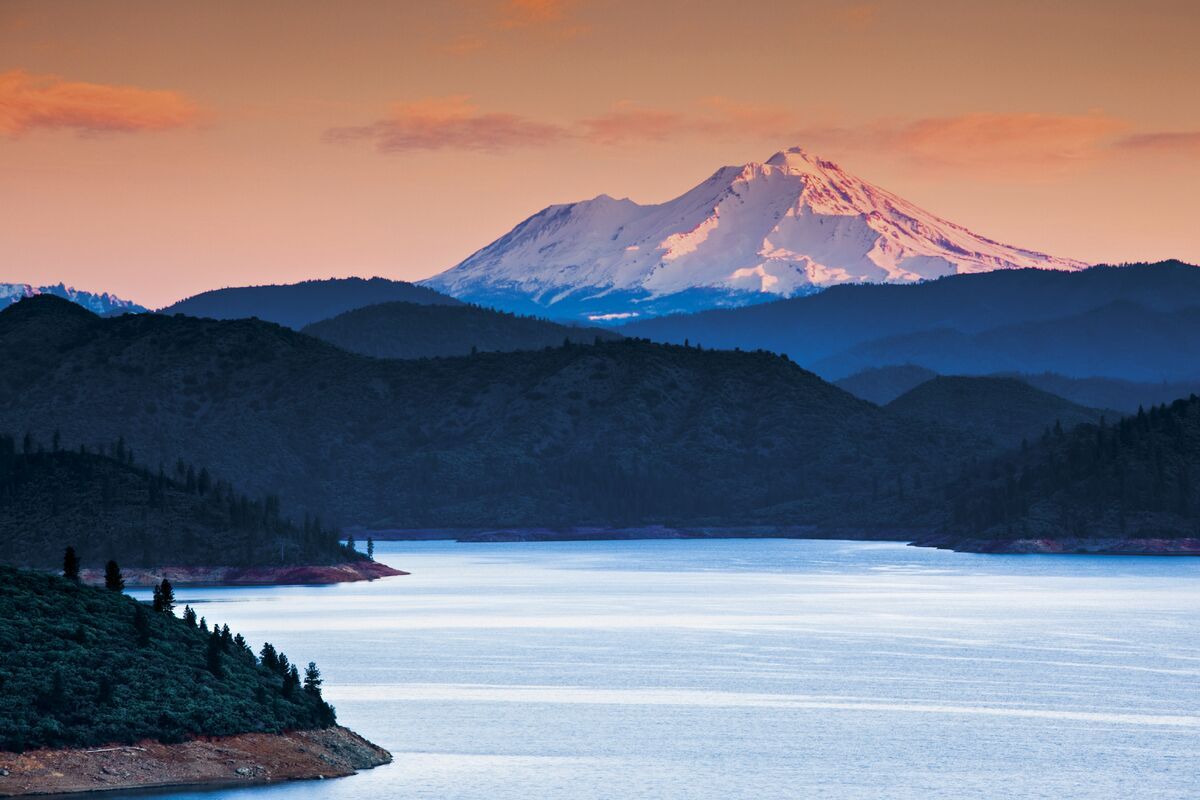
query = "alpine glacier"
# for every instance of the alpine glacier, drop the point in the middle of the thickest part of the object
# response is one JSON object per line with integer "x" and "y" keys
{"x": 792, "y": 225}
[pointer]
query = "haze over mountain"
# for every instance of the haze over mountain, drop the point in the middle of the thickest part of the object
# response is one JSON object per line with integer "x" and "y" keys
{"x": 821, "y": 331}
{"x": 751, "y": 233}
{"x": 298, "y": 304}
{"x": 103, "y": 303}
{"x": 409, "y": 330}
{"x": 1119, "y": 340}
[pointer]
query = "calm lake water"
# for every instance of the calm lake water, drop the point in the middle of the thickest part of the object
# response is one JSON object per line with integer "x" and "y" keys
{"x": 748, "y": 669}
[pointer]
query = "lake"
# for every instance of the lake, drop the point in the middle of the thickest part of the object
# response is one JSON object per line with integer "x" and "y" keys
{"x": 748, "y": 669}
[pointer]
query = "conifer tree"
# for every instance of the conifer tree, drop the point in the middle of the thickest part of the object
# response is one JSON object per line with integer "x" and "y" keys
{"x": 71, "y": 565}
{"x": 113, "y": 580}
{"x": 312, "y": 679}
{"x": 370, "y": 548}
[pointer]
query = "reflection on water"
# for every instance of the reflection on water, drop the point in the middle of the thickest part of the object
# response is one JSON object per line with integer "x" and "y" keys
{"x": 748, "y": 669}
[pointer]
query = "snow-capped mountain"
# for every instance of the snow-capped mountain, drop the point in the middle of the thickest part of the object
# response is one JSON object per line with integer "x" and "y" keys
{"x": 791, "y": 225}
{"x": 102, "y": 304}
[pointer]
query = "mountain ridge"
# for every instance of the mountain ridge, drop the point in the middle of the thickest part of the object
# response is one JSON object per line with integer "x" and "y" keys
{"x": 295, "y": 305}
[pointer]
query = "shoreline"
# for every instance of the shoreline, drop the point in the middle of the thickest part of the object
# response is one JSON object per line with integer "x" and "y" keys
{"x": 1065, "y": 545}
{"x": 300, "y": 575}
{"x": 239, "y": 760}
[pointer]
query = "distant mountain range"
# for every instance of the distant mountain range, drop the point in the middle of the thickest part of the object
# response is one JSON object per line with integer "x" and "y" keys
{"x": 102, "y": 304}
{"x": 789, "y": 226}
{"x": 409, "y": 330}
{"x": 1133, "y": 322}
{"x": 298, "y": 304}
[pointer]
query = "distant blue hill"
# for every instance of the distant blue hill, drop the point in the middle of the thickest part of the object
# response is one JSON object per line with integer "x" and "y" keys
{"x": 298, "y": 304}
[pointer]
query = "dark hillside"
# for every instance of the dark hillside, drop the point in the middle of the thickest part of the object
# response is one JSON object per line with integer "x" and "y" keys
{"x": 107, "y": 508}
{"x": 408, "y": 330}
{"x": 90, "y": 667}
{"x": 298, "y": 304}
{"x": 882, "y": 385}
{"x": 1139, "y": 478}
{"x": 617, "y": 432}
{"x": 1002, "y": 410}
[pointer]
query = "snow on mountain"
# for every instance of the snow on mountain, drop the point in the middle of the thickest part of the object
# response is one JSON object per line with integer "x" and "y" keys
{"x": 102, "y": 304}
{"x": 791, "y": 225}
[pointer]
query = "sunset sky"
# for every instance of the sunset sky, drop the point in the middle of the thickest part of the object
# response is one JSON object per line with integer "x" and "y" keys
{"x": 158, "y": 149}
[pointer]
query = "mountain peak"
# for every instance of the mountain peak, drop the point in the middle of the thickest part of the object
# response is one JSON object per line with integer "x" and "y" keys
{"x": 793, "y": 224}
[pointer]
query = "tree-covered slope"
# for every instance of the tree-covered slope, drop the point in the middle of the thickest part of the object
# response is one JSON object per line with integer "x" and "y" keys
{"x": 1138, "y": 478}
{"x": 87, "y": 667}
{"x": 108, "y": 508}
{"x": 298, "y": 304}
{"x": 409, "y": 330}
{"x": 1003, "y": 410}
{"x": 623, "y": 431}
{"x": 882, "y": 385}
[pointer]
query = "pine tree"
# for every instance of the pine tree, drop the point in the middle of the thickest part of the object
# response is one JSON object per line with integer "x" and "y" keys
{"x": 312, "y": 679}
{"x": 113, "y": 580}
{"x": 350, "y": 542}
{"x": 189, "y": 616}
{"x": 291, "y": 681}
{"x": 164, "y": 597}
{"x": 269, "y": 658}
{"x": 71, "y": 565}
{"x": 370, "y": 548}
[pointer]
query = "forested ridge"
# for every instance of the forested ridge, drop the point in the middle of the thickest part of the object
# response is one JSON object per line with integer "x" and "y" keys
{"x": 620, "y": 432}
{"x": 82, "y": 666}
{"x": 411, "y": 330}
{"x": 1138, "y": 477}
{"x": 101, "y": 502}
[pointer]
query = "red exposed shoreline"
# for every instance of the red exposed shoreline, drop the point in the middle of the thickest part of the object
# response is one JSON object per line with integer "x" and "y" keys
{"x": 219, "y": 761}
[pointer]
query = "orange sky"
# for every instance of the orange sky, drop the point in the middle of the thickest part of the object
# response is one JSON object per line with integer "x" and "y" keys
{"x": 158, "y": 149}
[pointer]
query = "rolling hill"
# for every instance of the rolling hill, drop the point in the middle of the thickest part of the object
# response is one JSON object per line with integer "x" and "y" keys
{"x": 1005, "y": 411}
{"x": 408, "y": 330}
{"x": 107, "y": 508}
{"x": 1110, "y": 488}
{"x": 298, "y": 304}
{"x": 882, "y": 385}
{"x": 85, "y": 667}
{"x": 624, "y": 431}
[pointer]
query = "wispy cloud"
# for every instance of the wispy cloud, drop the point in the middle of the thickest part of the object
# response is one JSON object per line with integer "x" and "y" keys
{"x": 986, "y": 146}
{"x": 29, "y": 102}
{"x": 519, "y": 13}
{"x": 450, "y": 123}
{"x": 1185, "y": 143}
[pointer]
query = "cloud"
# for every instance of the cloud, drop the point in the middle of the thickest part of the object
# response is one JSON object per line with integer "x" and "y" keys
{"x": 1185, "y": 143}
{"x": 992, "y": 142}
{"x": 520, "y": 13}
{"x": 450, "y": 123}
{"x": 627, "y": 124}
{"x": 29, "y": 102}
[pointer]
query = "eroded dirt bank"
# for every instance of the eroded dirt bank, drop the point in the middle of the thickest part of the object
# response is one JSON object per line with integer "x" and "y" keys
{"x": 248, "y": 758}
